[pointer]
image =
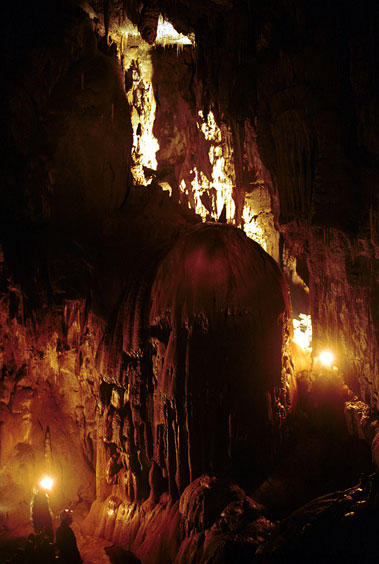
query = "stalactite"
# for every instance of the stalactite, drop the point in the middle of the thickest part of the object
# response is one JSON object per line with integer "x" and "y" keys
{"x": 239, "y": 189}
{"x": 148, "y": 22}
{"x": 106, "y": 18}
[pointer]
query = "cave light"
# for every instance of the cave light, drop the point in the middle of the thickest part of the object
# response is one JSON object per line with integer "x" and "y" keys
{"x": 220, "y": 187}
{"x": 142, "y": 101}
{"x": 148, "y": 143}
{"x": 302, "y": 334}
{"x": 46, "y": 483}
{"x": 141, "y": 96}
{"x": 223, "y": 188}
{"x": 166, "y": 187}
{"x": 209, "y": 127}
{"x": 216, "y": 188}
{"x": 167, "y": 34}
{"x": 112, "y": 506}
{"x": 130, "y": 31}
{"x": 251, "y": 227}
{"x": 326, "y": 358}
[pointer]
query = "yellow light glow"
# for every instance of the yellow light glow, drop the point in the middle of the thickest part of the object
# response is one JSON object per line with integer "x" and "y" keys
{"x": 219, "y": 188}
{"x": 167, "y": 34}
{"x": 110, "y": 512}
{"x": 209, "y": 127}
{"x": 46, "y": 483}
{"x": 145, "y": 144}
{"x": 326, "y": 358}
{"x": 302, "y": 334}
{"x": 148, "y": 143}
{"x": 252, "y": 229}
{"x": 166, "y": 187}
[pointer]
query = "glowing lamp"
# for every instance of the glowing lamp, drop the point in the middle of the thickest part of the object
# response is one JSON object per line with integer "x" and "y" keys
{"x": 326, "y": 358}
{"x": 302, "y": 334}
{"x": 46, "y": 483}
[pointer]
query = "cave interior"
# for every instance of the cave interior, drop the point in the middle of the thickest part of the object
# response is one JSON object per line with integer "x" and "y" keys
{"x": 189, "y": 268}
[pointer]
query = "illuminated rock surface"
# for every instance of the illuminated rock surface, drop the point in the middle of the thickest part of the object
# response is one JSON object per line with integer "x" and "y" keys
{"x": 145, "y": 355}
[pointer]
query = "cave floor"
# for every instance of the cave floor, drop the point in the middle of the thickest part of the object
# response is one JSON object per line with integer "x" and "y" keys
{"x": 91, "y": 548}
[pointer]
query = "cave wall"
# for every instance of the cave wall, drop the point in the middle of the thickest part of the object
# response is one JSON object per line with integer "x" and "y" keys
{"x": 322, "y": 154}
{"x": 202, "y": 363}
{"x": 91, "y": 266}
{"x": 196, "y": 381}
{"x": 48, "y": 402}
{"x": 303, "y": 86}
{"x": 84, "y": 288}
{"x": 304, "y": 80}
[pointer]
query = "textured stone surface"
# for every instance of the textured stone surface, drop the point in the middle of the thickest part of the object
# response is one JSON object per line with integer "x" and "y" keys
{"x": 213, "y": 521}
{"x": 49, "y": 379}
{"x": 346, "y": 521}
{"x": 304, "y": 80}
{"x": 158, "y": 428}
{"x": 124, "y": 328}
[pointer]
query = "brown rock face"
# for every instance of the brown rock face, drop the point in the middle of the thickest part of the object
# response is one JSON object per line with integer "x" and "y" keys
{"x": 304, "y": 82}
{"x": 155, "y": 348}
{"x": 88, "y": 109}
{"x": 47, "y": 404}
{"x": 220, "y": 315}
{"x": 148, "y": 22}
{"x": 199, "y": 383}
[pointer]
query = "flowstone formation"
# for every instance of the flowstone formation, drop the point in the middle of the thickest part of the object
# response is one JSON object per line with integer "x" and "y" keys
{"x": 179, "y": 385}
{"x": 47, "y": 402}
{"x": 201, "y": 382}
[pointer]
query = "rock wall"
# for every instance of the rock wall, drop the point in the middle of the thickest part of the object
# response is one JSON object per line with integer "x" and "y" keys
{"x": 304, "y": 82}
{"x": 196, "y": 377}
{"x": 48, "y": 381}
{"x": 156, "y": 348}
{"x": 192, "y": 376}
{"x": 86, "y": 319}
